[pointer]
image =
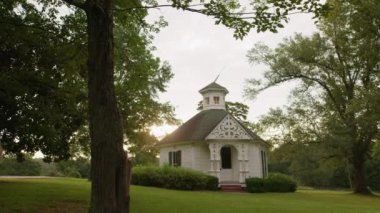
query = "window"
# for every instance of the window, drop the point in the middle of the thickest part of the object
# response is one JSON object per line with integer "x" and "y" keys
{"x": 264, "y": 163}
{"x": 216, "y": 99}
{"x": 207, "y": 100}
{"x": 225, "y": 153}
{"x": 175, "y": 158}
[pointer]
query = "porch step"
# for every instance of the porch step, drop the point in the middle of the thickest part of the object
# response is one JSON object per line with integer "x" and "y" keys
{"x": 231, "y": 188}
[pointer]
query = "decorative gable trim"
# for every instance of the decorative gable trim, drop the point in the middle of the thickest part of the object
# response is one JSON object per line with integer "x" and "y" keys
{"x": 229, "y": 128}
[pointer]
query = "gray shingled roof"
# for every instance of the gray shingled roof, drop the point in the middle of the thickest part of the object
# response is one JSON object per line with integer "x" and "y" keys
{"x": 252, "y": 134}
{"x": 197, "y": 128}
{"x": 200, "y": 126}
{"x": 213, "y": 87}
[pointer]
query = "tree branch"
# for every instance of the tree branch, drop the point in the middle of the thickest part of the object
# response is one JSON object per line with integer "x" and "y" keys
{"x": 36, "y": 27}
{"x": 318, "y": 81}
{"x": 326, "y": 88}
{"x": 153, "y": 7}
{"x": 76, "y": 3}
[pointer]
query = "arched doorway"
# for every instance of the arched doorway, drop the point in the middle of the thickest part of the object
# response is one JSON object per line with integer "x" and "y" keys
{"x": 228, "y": 164}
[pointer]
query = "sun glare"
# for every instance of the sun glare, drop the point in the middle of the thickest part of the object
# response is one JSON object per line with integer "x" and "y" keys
{"x": 162, "y": 130}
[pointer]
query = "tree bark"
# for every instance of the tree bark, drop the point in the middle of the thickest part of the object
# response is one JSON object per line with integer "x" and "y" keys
{"x": 358, "y": 162}
{"x": 110, "y": 168}
{"x": 348, "y": 173}
{"x": 1, "y": 151}
{"x": 359, "y": 179}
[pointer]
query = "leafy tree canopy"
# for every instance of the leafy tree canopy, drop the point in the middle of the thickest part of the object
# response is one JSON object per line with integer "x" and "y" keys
{"x": 43, "y": 88}
{"x": 338, "y": 69}
{"x": 39, "y": 91}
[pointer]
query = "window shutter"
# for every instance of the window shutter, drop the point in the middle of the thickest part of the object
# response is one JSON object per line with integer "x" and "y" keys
{"x": 170, "y": 158}
{"x": 264, "y": 163}
{"x": 178, "y": 163}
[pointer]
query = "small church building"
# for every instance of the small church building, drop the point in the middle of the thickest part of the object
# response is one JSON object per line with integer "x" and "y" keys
{"x": 215, "y": 142}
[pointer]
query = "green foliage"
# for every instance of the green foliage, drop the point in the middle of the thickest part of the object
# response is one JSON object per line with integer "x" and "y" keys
{"x": 139, "y": 78}
{"x": 212, "y": 183}
{"x": 39, "y": 86}
{"x": 78, "y": 168}
{"x": 139, "y": 75}
{"x": 173, "y": 178}
{"x": 143, "y": 149}
{"x": 337, "y": 99}
{"x": 275, "y": 182}
{"x": 49, "y": 169}
{"x": 373, "y": 169}
{"x": 316, "y": 165}
{"x": 51, "y": 78}
{"x": 255, "y": 184}
{"x": 262, "y": 16}
{"x": 10, "y": 166}
{"x": 236, "y": 109}
{"x": 311, "y": 165}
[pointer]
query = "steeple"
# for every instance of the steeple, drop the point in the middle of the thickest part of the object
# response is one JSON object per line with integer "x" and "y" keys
{"x": 213, "y": 96}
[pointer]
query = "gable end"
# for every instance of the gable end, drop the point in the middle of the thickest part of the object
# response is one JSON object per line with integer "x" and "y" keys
{"x": 229, "y": 128}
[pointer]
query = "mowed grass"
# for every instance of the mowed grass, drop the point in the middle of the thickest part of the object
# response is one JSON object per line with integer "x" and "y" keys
{"x": 72, "y": 195}
{"x": 44, "y": 195}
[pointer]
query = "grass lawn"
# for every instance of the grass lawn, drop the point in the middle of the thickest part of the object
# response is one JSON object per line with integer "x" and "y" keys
{"x": 72, "y": 195}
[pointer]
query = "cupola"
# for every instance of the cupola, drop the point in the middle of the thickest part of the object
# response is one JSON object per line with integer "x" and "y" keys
{"x": 213, "y": 96}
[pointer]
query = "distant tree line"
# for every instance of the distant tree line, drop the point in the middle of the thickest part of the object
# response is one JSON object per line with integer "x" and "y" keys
{"x": 311, "y": 165}
{"x": 78, "y": 168}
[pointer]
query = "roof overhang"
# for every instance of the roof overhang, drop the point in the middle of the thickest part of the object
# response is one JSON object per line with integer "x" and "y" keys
{"x": 161, "y": 145}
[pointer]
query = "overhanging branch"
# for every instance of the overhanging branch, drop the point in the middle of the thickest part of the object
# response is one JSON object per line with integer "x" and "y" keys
{"x": 316, "y": 80}
{"x": 76, "y": 3}
{"x": 326, "y": 88}
{"x": 156, "y": 7}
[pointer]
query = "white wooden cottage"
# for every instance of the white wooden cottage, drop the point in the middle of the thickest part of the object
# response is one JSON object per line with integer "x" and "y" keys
{"x": 216, "y": 143}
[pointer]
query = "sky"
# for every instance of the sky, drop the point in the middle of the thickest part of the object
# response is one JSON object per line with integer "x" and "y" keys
{"x": 198, "y": 50}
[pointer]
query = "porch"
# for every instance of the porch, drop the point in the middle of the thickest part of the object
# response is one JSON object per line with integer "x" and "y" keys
{"x": 229, "y": 163}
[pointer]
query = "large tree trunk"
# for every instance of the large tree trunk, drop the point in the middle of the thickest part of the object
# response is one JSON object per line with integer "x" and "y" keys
{"x": 360, "y": 150}
{"x": 110, "y": 169}
{"x": 1, "y": 151}
{"x": 359, "y": 179}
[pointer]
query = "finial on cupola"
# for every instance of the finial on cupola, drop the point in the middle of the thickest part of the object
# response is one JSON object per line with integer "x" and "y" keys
{"x": 216, "y": 77}
{"x": 214, "y": 96}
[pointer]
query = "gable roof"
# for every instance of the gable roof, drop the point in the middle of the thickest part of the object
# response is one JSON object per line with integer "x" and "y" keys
{"x": 252, "y": 134}
{"x": 213, "y": 87}
{"x": 197, "y": 128}
{"x": 230, "y": 128}
{"x": 201, "y": 125}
